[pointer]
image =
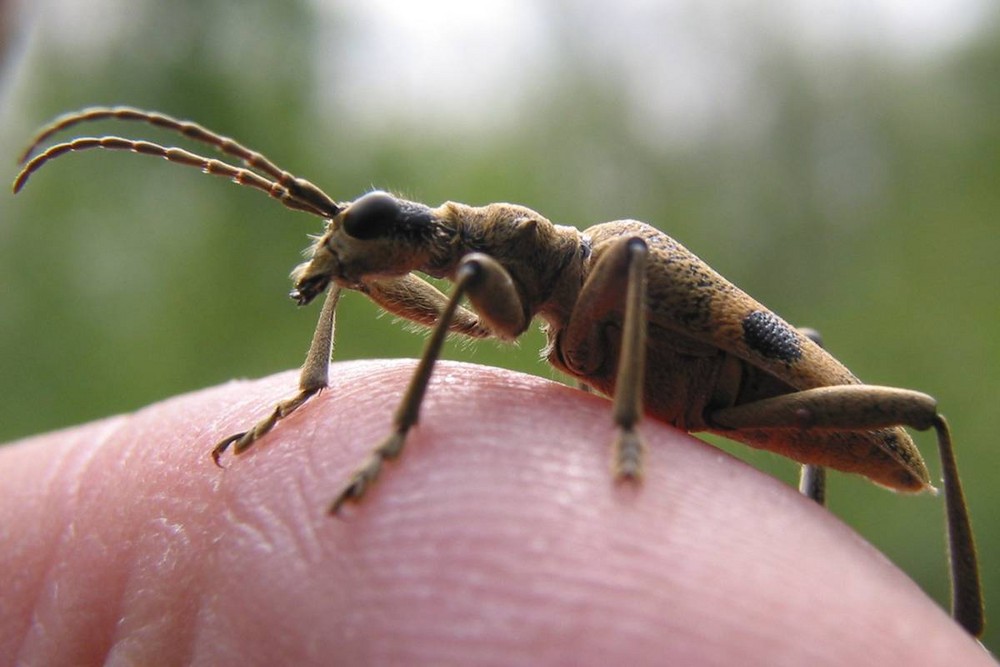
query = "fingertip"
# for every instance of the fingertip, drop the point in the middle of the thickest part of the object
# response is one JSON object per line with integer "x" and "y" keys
{"x": 498, "y": 532}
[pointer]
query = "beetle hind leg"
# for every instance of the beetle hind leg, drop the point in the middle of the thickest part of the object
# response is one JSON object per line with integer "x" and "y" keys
{"x": 863, "y": 408}
{"x": 812, "y": 478}
{"x": 812, "y": 483}
{"x": 967, "y": 597}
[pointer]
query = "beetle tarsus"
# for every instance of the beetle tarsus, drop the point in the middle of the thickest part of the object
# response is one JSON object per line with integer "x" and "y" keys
{"x": 628, "y": 453}
{"x": 366, "y": 474}
{"x": 222, "y": 446}
{"x": 242, "y": 441}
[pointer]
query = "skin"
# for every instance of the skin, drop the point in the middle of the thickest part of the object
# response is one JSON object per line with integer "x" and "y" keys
{"x": 498, "y": 538}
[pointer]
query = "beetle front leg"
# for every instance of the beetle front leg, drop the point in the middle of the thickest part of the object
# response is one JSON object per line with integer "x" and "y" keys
{"x": 622, "y": 266}
{"x": 313, "y": 378}
{"x": 490, "y": 289}
{"x": 864, "y": 407}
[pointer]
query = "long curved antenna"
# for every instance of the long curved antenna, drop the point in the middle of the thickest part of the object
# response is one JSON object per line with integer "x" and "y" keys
{"x": 298, "y": 197}
{"x": 189, "y": 129}
{"x": 301, "y": 189}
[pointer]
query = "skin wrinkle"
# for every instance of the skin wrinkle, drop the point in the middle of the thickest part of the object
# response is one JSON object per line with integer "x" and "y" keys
{"x": 164, "y": 549}
{"x": 173, "y": 547}
{"x": 307, "y": 540}
{"x": 44, "y": 566}
{"x": 77, "y": 464}
{"x": 256, "y": 524}
{"x": 141, "y": 626}
{"x": 117, "y": 442}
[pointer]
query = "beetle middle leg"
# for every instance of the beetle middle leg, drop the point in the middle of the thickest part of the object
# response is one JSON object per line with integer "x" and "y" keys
{"x": 493, "y": 295}
{"x": 621, "y": 266}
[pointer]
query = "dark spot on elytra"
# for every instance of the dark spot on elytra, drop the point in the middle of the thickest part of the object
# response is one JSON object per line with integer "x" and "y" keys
{"x": 766, "y": 334}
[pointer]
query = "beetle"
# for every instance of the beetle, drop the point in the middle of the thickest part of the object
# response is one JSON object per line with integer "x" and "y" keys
{"x": 627, "y": 311}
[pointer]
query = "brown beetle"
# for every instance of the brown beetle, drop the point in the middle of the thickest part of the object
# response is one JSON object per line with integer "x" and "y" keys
{"x": 627, "y": 310}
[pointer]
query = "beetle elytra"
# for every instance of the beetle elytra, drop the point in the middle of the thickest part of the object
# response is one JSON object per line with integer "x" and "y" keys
{"x": 627, "y": 311}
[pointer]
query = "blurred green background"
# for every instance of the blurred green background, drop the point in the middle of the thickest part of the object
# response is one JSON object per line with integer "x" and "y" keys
{"x": 838, "y": 160}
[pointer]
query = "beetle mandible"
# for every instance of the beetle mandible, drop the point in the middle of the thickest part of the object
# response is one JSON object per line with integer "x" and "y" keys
{"x": 627, "y": 311}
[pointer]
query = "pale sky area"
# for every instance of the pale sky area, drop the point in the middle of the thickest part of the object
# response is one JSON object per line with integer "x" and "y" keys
{"x": 685, "y": 67}
{"x": 680, "y": 59}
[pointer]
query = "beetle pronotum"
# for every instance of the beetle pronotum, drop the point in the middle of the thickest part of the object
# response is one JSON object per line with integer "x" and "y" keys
{"x": 682, "y": 345}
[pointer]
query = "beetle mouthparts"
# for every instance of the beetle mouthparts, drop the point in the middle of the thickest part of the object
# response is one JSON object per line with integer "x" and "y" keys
{"x": 309, "y": 289}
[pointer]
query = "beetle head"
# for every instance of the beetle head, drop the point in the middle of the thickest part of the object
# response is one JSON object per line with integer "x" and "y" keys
{"x": 376, "y": 235}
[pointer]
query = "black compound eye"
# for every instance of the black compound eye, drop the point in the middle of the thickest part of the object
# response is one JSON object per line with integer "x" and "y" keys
{"x": 372, "y": 216}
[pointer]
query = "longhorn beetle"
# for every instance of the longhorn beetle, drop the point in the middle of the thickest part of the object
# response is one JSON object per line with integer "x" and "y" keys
{"x": 627, "y": 311}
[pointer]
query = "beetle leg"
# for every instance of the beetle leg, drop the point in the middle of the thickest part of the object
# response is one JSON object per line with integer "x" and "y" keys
{"x": 313, "y": 378}
{"x": 812, "y": 478}
{"x": 627, "y": 409}
{"x": 864, "y": 407}
{"x": 416, "y": 300}
{"x": 812, "y": 482}
{"x": 967, "y": 596}
{"x": 621, "y": 267}
{"x": 490, "y": 289}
